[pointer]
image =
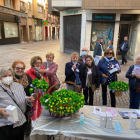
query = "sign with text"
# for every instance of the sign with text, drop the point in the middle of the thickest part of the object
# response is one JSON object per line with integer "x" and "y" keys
{"x": 71, "y": 11}
{"x": 103, "y": 17}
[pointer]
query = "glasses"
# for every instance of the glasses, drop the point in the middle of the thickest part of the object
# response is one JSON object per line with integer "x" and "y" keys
{"x": 38, "y": 62}
{"x": 88, "y": 60}
{"x": 18, "y": 68}
{"x": 84, "y": 50}
{"x": 109, "y": 53}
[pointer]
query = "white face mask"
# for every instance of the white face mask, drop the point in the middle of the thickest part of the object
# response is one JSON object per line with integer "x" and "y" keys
{"x": 7, "y": 80}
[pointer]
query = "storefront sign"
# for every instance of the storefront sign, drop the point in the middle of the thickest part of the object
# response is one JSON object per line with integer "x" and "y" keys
{"x": 104, "y": 17}
{"x": 71, "y": 11}
{"x": 12, "y": 12}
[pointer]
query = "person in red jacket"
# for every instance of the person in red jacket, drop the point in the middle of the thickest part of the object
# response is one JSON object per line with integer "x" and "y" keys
{"x": 35, "y": 72}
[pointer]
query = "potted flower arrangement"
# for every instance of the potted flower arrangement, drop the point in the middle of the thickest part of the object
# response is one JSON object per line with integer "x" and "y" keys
{"x": 118, "y": 87}
{"x": 63, "y": 103}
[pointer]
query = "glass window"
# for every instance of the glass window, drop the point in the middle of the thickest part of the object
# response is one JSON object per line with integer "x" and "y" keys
{"x": 0, "y": 31}
{"x": 101, "y": 30}
{"x": 40, "y": 9}
{"x": 9, "y": 3}
{"x": 29, "y": 6}
{"x": 10, "y": 29}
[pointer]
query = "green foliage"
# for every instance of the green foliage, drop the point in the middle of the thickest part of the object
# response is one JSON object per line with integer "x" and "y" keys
{"x": 63, "y": 101}
{"x": 119, "y": 86}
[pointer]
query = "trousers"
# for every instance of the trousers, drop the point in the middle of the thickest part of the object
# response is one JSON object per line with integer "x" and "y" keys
{"x": 123, "y": 57}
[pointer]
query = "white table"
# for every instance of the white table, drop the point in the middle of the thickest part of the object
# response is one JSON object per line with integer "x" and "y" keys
{"x": 71, "y": 127}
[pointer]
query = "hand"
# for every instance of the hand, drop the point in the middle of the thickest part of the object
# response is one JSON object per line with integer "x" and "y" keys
{"x": 42, "y": 71}
{"x": 133, "y": 74}
{"x": 103, "y": 75}
{"x": 138, "y": 76}
{"x": 30, "y": 99}
{"x": 3, "y": 112}
{"x": 74, "y": 67}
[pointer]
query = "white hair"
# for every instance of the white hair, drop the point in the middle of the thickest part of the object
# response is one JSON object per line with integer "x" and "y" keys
{"x": 4, "y": 71}
{"x": 138, "y": 56}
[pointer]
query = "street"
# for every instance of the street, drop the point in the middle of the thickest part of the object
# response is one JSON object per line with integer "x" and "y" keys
{"x": 25, "y": 51}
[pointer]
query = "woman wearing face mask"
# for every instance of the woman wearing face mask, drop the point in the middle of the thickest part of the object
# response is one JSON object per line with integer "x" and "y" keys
{"x": 50, "y": 70}
{"x": 107, "y": 63}
{"x": 73, "y": 71}
{"x": 89, "y": 77}
{"x": 12, "y": 93}
{"x": 84, "y": 54}
{"x": 34, "y": 72}
{"x": 133, "y": 74}
{"x": 25, "y": 80}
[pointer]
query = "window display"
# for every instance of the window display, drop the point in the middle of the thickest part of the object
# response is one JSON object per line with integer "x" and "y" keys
{"x": 10, "y": 29}
{"x": 101, "y": 30}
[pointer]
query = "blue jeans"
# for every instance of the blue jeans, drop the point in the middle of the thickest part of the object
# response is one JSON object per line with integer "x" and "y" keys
{"x": 134, "y": 99}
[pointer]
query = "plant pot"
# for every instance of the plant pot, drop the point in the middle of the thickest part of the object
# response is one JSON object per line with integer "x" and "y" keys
{"x": 118, "y": 93}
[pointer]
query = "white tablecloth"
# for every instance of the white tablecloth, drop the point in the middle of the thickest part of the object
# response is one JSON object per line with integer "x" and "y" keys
{"x": 71, "y": 127}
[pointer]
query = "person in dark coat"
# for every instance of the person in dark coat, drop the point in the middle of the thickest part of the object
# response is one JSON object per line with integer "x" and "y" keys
{"x": 108, "y": 62}
{"x": 73, "y": 72}
{"x": 84, "y": 54}
{"x": 89, "y": 76}
{"x": 134, "y": 81}
{"x": 124, "y": 49}
{"x": 98, "y": 50}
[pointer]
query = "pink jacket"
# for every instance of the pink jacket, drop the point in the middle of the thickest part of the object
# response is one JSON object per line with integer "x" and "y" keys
{"x": 51, "y": 73}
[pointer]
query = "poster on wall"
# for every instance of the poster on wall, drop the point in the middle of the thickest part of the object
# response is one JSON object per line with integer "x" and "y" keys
{"x": 101, "y": 30}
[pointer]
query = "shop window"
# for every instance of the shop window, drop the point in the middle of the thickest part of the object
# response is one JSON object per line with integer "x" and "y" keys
{"x": 0, "y": 31}
{"x": 9, "y": 3}
{"x": 29, "y": 6}
{"x": 101, "y": 30}
{"x": 40, "y": 9}
{"x": 10, "y": 29}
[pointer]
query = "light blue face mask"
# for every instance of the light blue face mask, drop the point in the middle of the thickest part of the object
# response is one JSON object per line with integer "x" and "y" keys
{"x": 74, "y": 63}
{"x": 84, "y": 53}
{"x": 49, "y": 63}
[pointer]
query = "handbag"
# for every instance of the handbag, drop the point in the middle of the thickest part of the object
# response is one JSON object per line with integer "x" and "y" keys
{"x": 138, "y": 89}
{"x": 93, "y": 87}
{"x": 103, "y": 81}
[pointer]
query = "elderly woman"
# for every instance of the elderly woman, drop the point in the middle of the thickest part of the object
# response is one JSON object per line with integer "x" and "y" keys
{"x": 89, "y": 77}
{"x": 107, "y": 63}
{"x": 133, "y": 74}
{"x": 73, "y": 71}
{"x": 25, "y": 80}
{"x": 34, "y": 72}
{"x": 12, "y": 93}
{"x": 50, "y": 70}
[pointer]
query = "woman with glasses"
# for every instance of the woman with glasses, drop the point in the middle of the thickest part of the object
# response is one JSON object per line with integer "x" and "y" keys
{"x": 25, "y": 80}
{"x": 107, "y": 63}
{"x": 34, "y": 72}
{"x": 89, "y": 77}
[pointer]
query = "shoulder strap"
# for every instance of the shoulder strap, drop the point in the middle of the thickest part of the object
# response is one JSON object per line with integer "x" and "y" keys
{"x": 11, "y": 98}
{"x": 109, "y": 69}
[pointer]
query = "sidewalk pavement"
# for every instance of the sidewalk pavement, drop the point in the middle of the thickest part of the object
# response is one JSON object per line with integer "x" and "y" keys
{"x": 25, "y": 51}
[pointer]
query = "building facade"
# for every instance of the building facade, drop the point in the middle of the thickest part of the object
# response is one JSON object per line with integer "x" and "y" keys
{"x": 83, "y": 22}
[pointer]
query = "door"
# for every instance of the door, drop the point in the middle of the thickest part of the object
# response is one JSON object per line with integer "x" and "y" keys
{"x": 72, "y": 34}
{"x": 30, "y": 33}
{"x": 21, "y": 34}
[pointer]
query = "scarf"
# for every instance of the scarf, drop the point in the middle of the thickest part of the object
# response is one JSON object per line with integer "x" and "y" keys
{"x": 109, "y": 59}
{"x": 22, "y": 80}
{"x": 38, "y": 74}
{"x": 76, "y": 71}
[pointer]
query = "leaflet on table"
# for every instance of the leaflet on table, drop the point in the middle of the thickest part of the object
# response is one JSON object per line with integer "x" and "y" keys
{"x": 126, "y": 114}
{"x": 112, "y": 111}
{"x": 97, "y": 111}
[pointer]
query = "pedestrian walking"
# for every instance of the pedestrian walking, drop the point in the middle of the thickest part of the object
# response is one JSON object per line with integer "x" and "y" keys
{"x": 107, "y": 63}
{"x": 110, "y": 44}
{"x": 133, "y": 74}
{"x": 124, "y": 49}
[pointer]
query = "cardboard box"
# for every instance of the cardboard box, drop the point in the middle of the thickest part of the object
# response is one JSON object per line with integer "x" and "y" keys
{"x": 12, "y": 111}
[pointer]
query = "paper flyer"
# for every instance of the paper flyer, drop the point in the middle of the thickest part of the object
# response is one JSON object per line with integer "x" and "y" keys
{"x": 112, "y": 111}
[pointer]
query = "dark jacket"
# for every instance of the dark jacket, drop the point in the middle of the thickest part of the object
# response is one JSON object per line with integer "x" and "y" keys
{"x": 103, "y": 68}
{"x": 28, "y": 87}
{"x": 133, "y": 81}
{"x": 95, "y": 76}
{"x": 69, "y": 73}
{"x": 126, "y": 46}
{"x": 80, "y": 60}
{"x": 97, "y": 50}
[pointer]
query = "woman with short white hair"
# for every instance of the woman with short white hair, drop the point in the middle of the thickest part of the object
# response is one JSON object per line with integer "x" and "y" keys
{"x": 133, "y": 74}
{"x": 12, "y": 93}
